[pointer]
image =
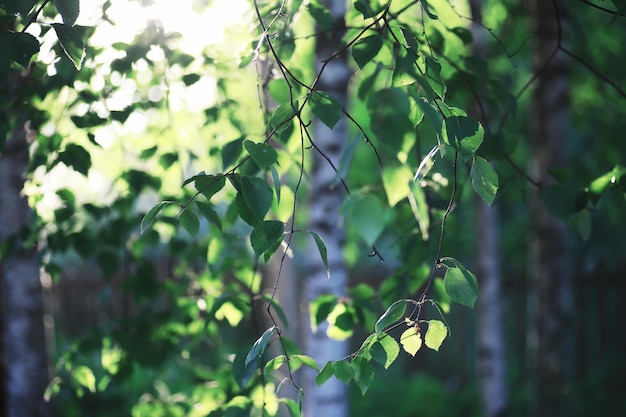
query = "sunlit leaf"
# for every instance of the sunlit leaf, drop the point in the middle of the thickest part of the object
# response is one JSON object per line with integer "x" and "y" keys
{"x": 396, "y": 183}
{"x": 71, "y": 42}
{"x": 264, "y": 155}
{"x": 259, "y": 346}
{"x": 189, "y": 220}
{"x": 411, "y": 341}
{"x": 305, "y": 360}
{"x": 84, "y": 376}
{"x": 274, "y": 364}
{"x": 53, "y": 388}
{"x": 484, "y": 179}
{"x": 394, "y": 313}
{"x": 365, "y": 49}
{"x": 325, "y": 107}
{"x": 368, "y": 218}
{"x": 276, "y": 181}
{"x": 464, "y": 134}
{"x": 320, "y": 308}
{"x": 419, "y": 207}
{"x": 435, "y": 335}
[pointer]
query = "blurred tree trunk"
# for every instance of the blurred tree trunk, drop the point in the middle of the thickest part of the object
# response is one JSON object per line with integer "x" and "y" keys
{"x": 491, "y": 364}
{"x": 331, "y": 399}
{"x": 24, "y": 342}
{"x": 550, "y": 297}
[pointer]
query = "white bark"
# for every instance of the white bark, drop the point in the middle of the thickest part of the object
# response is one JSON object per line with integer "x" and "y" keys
{"x": 550, "y": 306}
{"x": 491, "y": 351}
{"x": 24, "y": 341}
{"x": 331, "y": 399}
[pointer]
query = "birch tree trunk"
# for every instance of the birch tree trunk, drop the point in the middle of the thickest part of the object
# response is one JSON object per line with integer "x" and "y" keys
{"x": 491, "y": 364}
{"x": 24, "y": 340}
{"x": 550, "y": 297}
{"x": 331, "y": 399}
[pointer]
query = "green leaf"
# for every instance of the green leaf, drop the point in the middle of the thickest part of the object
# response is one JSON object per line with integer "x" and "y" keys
{"x": 320, "y": 308}
{"x": 152, "y": 213}
{"x": 394, "y": 313}
{"x": 210, "y": 214}
{"x": 411, "y": 341}
{"x": 53, "y": 388}
{"x": 385, "y": 351}
{"x": 264, "y": 155}
{"x": 461, "y": 285}
{"x": 325, "y": 374}
{"x": 484, "y": 179}
{"x": 208, "y": 185}
{"x": 582, "y": 223}
{"x": 274, "y": 364}
{"x": 343, "y": 371}
{"x": 190, "y": 79}
{"x": 259, "y": 346}
{"x": 325, "y": 107}
{"x": 464, "y": 134}
{"x": 256, "y": 194}
{"x": 69, "y": 10}
{"x": 230, "y": 152}
{"x": 368, "y": 218}
{"x": 84, "y": 376}
{"x": 276, "y": 181}
{"x": 368, "y": 8}
{"x": 190, "y": 222}
{"x": 363, "y": 373}
{"x": 321, "y": 15}
{"x": 321, "y": 247}
{"x": 396, "y": 183}
{"x": 282, "y": 116}
{"x": 76, "y": 157}
{"x": 365, "y": 49}
{"x": 26, "y": 45}
{"x": 419, "y": 207}
{"x": 71, "y": 42}
{"x": 305, "y": 360}
{"x": 266, "y": 237}
{"x": 436, "y": 333}
{"x": 21, "y": 7}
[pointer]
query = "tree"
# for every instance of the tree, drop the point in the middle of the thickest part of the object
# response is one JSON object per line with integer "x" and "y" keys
{"x": 187, "y": 259}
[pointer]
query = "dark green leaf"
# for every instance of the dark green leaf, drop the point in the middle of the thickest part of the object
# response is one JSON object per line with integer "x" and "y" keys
{"x": 264, "y": 155}
{"x": 464, "y": 134}
{"x": 385, "y": 351}
{"x": 210, "y": 214}
{"x": 266, "y": 237}
{"x": 325, "y": 107}
{"x": 365, "y": 49}
{"x": 484, "y": 179}
{"x": 88, "y": 120}
{"x": 321, "y": 247}
{"x": 259, "y": 346}
{"x": 230, "y": 152}
{"x": 320, "y": 308}
{"x": 76, "y": 157}
{"x": 463, "y": 33}
{"x": 257, "y": 195}
{"x": 26, "y": 45}
{"x": 461, "y": 285}
{"x": 189, "y": 79}
{"x": 190, "y": 221}
{"x": 368, "y": 8}
{"x": 209, "y": 185}
{"x": 168, "y": 159}
{"x": 363, "y": 373}
{"x": 394, "y": 313}
{"x": 71, "y": 42}
{"x": 69, "y": 10}
{"x": 152, "y": 213}
{"x": 560, "y": 200}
